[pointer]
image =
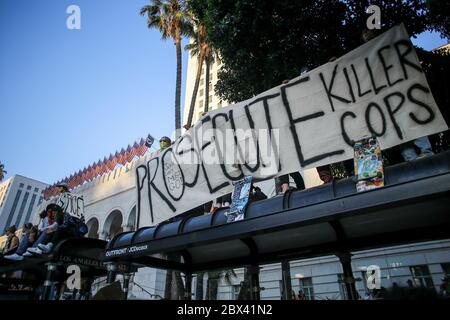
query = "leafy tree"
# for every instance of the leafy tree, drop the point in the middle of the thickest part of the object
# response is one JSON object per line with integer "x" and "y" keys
{"x": 170, "y": 18}
{"x": 440, "y": 16}
{"x": 436, "y": 66}
{"x": 261, "y": 43}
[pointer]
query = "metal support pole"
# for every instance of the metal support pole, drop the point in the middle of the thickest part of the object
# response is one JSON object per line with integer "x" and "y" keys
{"x": 346, "y": 261}
{"x": 254, "y": 283}
{"x": 111, "y": 269}
{"x": 126, "y": 284}
{"x": 88, "y": 288}
{"x": 51, "y": 268}
{"x": 74, "y": 294}
{"x": 188, "y": 291}
{"x": 286, "y": 276}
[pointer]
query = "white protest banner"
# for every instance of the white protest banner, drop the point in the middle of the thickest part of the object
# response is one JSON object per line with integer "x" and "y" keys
{"x": 72, "y": 204}
{"x": 377, "y": 89}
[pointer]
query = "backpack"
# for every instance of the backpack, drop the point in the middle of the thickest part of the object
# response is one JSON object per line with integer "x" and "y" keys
{"x": 81, "y": 229}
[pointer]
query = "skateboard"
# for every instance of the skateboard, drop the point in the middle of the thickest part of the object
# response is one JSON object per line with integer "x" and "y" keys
{"x": 239, "y": 199}
{"x": 368, "y": 161}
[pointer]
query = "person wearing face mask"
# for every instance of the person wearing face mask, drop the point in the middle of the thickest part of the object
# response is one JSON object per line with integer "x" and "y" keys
{"x": 164, "y": 143}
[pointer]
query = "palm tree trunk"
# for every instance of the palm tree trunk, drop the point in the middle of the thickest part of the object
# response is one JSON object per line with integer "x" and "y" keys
{"x": 199, "y": 286}
{"x": 178, "y": 86}
{"x": 200, "y": 60}
{"x": 207, "y": 63}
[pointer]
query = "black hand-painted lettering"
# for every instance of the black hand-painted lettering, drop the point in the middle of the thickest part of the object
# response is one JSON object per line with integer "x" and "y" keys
{"x": 151, "y": 185}
{"x": 420, "y": 87}
{"x": 350, "y": 89}
{"x": 140, "y": 186}
{"x": 269, "y": 125}
{"x": 303, "y": 162}
{"x": 387, "y": 67}
{"x": 203, "y": 147}
{"x": 220, "y": 154}
{"x": 402, "y": 56}
{"x": 372, "y": 79}
{"x": 193, "y": 151}
{"x": 343, "y": 131}
{"x": 329, "y": 89}
{"x": 176, "y": 177}
{"x": 393, "y": 110}
{"x": 369, "y": 122}
{"x": 358, "y": 84}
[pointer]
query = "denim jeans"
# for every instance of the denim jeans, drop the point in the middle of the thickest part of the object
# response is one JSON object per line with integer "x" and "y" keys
{"x": 409, "y": 152}
{"x": 40, "y": 239}
{"x": 23, "y": 244}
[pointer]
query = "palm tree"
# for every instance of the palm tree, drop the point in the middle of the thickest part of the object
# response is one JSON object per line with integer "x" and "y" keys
{"x": 2, "y": 171}
{"x": 171, "y": 19}
{"x": 201, "y": 48}
{"x": 196, "y": 47}
{"x": 209, "y": 58}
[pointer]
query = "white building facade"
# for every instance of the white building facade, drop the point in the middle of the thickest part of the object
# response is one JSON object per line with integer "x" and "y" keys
{"x": 214, "y": 101}
{"x": 321, "y": 278}
{"x": 19, "y": 198}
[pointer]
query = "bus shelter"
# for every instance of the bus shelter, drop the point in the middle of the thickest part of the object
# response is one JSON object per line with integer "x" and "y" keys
{"x": 331, "y": 219}
{"x": 23, "y": 278}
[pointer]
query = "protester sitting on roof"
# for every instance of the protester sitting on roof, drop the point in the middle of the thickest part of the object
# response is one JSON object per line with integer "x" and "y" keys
{"x": 24, "y": 243}
{"x": 66, "y": 228}
{"x": 34, "y": 232}
{"x": 12, "y": 241}
{"x": 47, "y": 226}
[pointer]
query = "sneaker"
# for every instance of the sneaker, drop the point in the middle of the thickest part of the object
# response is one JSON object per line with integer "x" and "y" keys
{"x": 34, "y": 250}
{"x": 27, "y": 254}
{"x": 426, "y": 154}
{"x": 46, "y": 248}
{"x": 14, "y": 256}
